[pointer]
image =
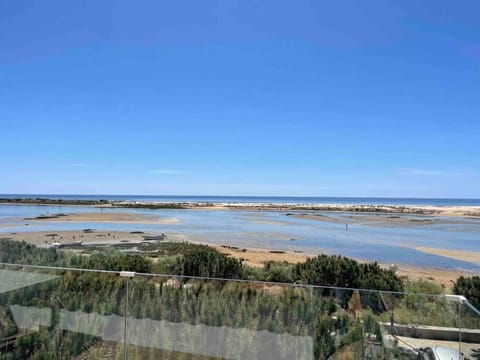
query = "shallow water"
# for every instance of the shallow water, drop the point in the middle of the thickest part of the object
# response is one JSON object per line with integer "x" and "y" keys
{"x": 378, "y": 241}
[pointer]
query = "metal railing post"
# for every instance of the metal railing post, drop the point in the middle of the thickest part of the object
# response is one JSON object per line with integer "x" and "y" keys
{"x": 126, "y": 275}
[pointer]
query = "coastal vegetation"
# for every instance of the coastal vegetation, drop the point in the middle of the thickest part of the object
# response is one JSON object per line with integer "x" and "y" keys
{"x": 339, "y": 271}
{"x": 204, "y": 261}
{"x": 337, "y": 319}
{"x": 468, "y": 287}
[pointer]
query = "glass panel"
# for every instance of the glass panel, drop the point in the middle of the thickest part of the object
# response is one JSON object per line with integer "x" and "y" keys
{"x": 360, "y": 324}
{"x": 70, "y": 314}
{"x": 184, "y": 318}
{"x": 60, "y": 314}
{"x": 419, "y": 325}
{"x": 181, "y": 318}
{"x": 469, "y": 330}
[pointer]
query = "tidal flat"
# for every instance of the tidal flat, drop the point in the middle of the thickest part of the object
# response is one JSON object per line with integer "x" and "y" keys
{"x": 402, "y": 238}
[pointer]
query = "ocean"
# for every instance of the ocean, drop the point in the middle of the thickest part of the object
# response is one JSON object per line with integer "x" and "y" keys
{"x": 258, "y": 199}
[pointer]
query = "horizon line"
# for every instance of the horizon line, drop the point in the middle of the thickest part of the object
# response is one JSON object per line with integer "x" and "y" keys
{"x": 248, "y": 196}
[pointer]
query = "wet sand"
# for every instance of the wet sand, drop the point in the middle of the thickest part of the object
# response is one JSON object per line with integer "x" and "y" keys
{"x": 266, "y": 222}
{"x": 378, "y": 220}
{"x": 317, "y": 217}
{"x": 102, "y": 217}
{"x": 471, "y": 256}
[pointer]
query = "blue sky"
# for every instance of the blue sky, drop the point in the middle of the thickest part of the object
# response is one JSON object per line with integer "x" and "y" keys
{"x": 306, "y": 98}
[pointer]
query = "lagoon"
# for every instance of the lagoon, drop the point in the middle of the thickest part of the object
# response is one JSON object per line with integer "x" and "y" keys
{"x": 378, "y": 240}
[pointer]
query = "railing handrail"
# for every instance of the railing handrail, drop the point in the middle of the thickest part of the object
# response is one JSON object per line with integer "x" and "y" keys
{"x": 472, "y": 307}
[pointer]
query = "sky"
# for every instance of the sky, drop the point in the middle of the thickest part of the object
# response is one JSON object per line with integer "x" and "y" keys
{"x": 277, "y": 98}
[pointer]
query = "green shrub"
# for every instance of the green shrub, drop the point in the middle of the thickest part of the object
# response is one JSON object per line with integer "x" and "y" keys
{"x": 468, "y": 287}
{"x": 208, "y": 262}
{"x": 339, "y": 271}
{"x": 354, "y": 333}
{"x": 278, "y": 272}
{"x": 423, "y": 287}
{"x": 116, "y": 261}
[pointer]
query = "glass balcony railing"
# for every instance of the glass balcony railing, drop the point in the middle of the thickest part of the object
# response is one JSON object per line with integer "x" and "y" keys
{"x": 61, "y": 313}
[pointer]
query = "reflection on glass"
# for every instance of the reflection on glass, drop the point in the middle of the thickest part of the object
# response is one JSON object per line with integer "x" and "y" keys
{"x": 14, "y": 280}
{"x": 59, "y": 314}
{"x": 30, "y": 317}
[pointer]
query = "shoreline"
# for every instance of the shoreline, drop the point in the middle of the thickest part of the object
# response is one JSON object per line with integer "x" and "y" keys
{"x": 466, "y": 211}
{"x": 255, "y": 257}
{"x": 470, "y": 256}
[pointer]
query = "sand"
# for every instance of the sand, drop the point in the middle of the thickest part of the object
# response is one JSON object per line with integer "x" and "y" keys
{"x": 442, "y": 277}
{"x": 49, "y": 237}
{"x": 106, "y": 217}
{"x": 257, "y": 257}
{"x": 471, "y": 256}
{"x": 318, "y": 217}
{"x": 469, "y": 211}
{"x": 379, "y": 220}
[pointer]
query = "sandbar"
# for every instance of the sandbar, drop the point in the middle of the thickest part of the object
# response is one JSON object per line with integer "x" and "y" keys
{"x": 378, "y": 220}
{"x": 470, "y": 256}
{"x": 106, "y": 217}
